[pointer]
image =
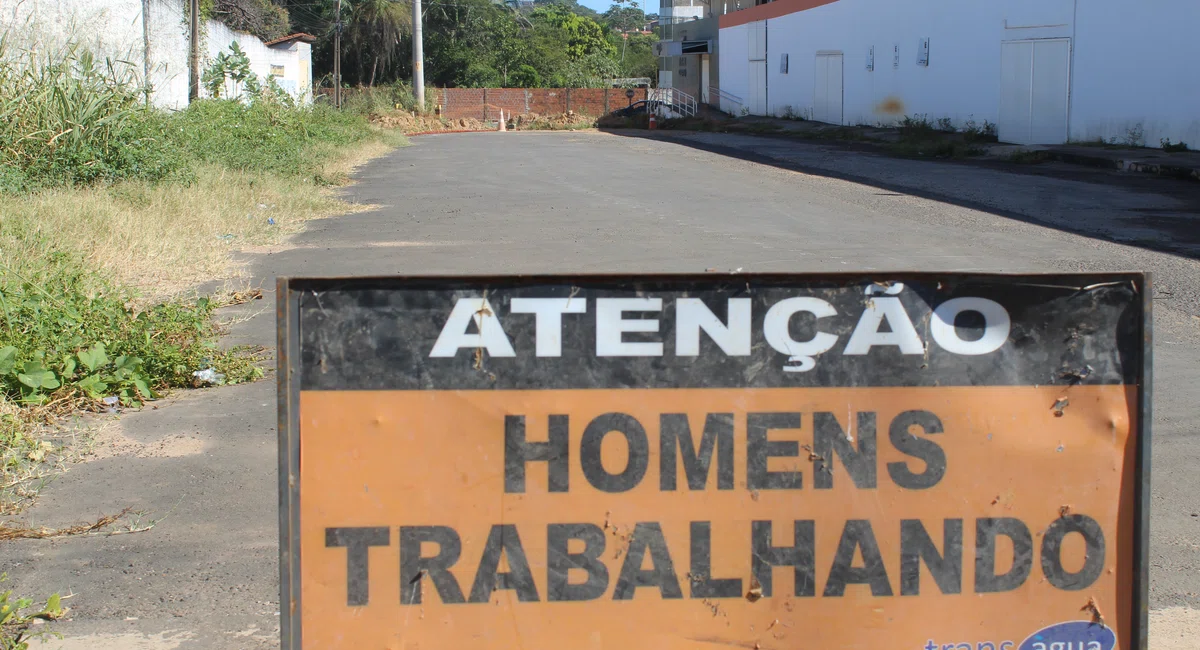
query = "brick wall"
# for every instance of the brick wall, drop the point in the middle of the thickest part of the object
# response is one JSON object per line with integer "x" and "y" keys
{"x": 486, "y": 103}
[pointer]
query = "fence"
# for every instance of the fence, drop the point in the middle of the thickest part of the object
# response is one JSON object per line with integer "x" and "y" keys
{"x": 486, "y": 103}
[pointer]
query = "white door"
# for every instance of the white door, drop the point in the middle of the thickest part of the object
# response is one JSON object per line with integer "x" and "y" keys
{"x": 704, "y": 78}
{"x": 827, "y": 91}
{"x": 757, "y": 102}
{"x": 1035, "y": 87}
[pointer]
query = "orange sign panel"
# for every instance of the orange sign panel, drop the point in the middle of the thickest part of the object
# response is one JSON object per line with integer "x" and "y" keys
{"x": 923, "y": 462}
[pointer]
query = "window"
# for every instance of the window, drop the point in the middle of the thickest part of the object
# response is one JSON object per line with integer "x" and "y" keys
{"x": 276, "y": 71}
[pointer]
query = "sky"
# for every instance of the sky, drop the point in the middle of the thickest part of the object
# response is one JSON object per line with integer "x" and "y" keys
{"x": 648, "y": 6}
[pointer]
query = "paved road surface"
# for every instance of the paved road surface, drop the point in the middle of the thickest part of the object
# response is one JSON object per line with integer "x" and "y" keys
{"x": 205, "y": 577}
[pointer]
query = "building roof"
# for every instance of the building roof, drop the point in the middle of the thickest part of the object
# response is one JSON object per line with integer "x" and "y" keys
{"x": 299, "y": 36}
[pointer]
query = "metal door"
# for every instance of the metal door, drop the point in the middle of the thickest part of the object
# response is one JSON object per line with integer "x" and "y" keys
{"x": 827, "y": 90}
{"x": 1035, "y": 89}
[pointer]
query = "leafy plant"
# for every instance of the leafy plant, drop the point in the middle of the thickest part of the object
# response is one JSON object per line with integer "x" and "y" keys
{"x": 17, "y": 615}
{"x": 229, "y": 75}
{"x": 61, "y": 331}
{"x": 525, "y": 76}
{"x": 916, "y": 125}
{"x": 974, "y": 132}
{"x": 1135, "y": 136}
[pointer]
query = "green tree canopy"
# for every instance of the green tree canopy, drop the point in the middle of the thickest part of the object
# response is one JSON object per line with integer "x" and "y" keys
{"x": 479, "y": 42}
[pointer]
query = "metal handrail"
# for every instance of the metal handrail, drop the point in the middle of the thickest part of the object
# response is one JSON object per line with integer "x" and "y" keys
{"x": 729, "y": 97}
{"x": 713, "y": 90}
{"x": 675, "y": 99}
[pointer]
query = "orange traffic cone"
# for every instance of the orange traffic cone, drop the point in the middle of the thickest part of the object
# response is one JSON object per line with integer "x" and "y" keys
{"x": 653, "y": 121}
{"x": 503, "y": 126}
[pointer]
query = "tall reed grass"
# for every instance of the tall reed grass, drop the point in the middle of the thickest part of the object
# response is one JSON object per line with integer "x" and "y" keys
{"x": 68, "y": 119}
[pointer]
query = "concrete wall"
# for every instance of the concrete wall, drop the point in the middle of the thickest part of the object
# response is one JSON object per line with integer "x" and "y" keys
{"x": 1137, "y": 68}
{"x": 686, "y": 70}
{"x": 1128, "y": 68}
{"x": 295, "y": 58}
{"x": 734, "y": 64}
{"x": 110, "y": 29}
{"x": 114, "y": 29}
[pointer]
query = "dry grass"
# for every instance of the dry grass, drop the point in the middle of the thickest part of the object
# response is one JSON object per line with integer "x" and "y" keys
{"x": 163, "y": 239}
{"x": 10, "y": 532}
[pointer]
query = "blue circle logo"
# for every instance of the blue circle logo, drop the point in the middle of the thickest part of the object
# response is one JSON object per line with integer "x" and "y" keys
{"x": 1073, "y": 635}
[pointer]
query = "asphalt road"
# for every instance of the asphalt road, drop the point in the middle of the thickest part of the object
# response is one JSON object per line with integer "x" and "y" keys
{"x": 206, "y": 575}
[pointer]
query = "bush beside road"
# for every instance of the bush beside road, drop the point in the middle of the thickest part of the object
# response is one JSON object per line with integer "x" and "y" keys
{"x": 111, "y": 214}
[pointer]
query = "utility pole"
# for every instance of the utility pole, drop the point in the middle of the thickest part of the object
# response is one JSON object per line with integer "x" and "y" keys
{"x": 337, "y": 58}
{"x": 418, "y": 62}
{"x": 194, "y": 52}
{"x": 146, "y": 49}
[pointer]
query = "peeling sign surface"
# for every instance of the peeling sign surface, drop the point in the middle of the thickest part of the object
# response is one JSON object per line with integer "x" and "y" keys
{"x": 756, "y": 461}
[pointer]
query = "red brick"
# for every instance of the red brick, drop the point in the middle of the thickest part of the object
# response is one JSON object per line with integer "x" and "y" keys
{"x": 486, "y": 103}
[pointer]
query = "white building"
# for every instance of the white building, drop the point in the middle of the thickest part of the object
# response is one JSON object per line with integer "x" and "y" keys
{"x": 287, "y": 60}
{"x": 1044, "y": 71}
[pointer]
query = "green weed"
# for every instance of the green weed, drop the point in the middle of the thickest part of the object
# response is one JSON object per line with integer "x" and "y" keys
{"x": 1025, "y": 157}
{"x": 975, "y": 132}
{"x": 68, "y": 119}
{"x": 380, "y": 100}
{"x": 18, "y": 614}
{"x": 64, "y": 331}
{"x": 916, "y": 126}
{"x": 265, "y": 136}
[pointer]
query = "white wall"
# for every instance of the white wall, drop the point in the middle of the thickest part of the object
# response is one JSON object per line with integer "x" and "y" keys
{"x": 1132, "y": 63}
{"x": 221, "y": 37}
{"x": 734, "y": 65}
{"x": 114, "y": 29}
{"x": 1137, "y": 68}
{"x": 110, "y": 29}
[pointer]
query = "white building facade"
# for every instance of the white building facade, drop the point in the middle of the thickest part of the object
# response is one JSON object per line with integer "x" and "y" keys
{"x": 1043, "y": 71}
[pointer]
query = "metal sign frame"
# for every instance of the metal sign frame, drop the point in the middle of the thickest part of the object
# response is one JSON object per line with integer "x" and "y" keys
{"x": 288, "y": 291}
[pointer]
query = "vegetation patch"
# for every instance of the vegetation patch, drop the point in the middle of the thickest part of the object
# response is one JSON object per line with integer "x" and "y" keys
{"x": 109, "y": 212}
{"x": 1173, "y": 147}
{"x": 922, "y": 138}
{"x": 18, "y": 615}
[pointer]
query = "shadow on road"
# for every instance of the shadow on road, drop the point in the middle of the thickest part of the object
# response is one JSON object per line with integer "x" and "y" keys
{"x": 1151, "y": 212}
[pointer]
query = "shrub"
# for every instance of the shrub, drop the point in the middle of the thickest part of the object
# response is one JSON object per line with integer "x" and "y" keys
{"x": 64, "y": 329}
{"x": 1172, "y": 147}
{"x": 264, "y": 136}
{"x": 67, "y": 119}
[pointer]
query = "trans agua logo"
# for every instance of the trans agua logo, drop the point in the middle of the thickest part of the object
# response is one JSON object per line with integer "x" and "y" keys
{"x": 1073, "y": 635}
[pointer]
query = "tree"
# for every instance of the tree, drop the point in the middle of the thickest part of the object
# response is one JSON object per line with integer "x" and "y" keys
{"x": 571, "y": 6}
{"x": 374, "y": 29}
{"x": 259, "y": 17}
{"x": 584, "y": 36}
{"x": 525, "y": 77}
{"x": 470, "y": 42}
{"x": 637, "y": 58}
{"x": 511, "y": 48}
{"x": 624, "y": 19}
{"x": 591, "y": 71}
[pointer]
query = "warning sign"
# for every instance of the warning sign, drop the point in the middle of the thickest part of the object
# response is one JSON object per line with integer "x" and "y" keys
{"x": 911, "y": 462}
